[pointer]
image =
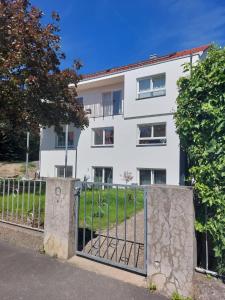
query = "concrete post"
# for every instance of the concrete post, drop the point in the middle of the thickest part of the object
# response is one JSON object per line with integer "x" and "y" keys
{"x": 171, "y": 245}
{"x": 59, "y": 236}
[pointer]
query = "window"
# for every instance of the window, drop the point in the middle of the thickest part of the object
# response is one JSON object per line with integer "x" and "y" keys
{"x": 107, "y": 104}
{"x": 117, "y": 102}
{"x": 145, "y": 177}
{"x": 61, "y": 139}
{"x": 112, "y": 103}
{"x": 80, "y": 101}
{"x": 61, "y": 171}
{"x": 103, "y": 175}
{"x": 152, "y": 134}
{"x": 151, "y": 87}
{"x": 151, "y": 176}
{"x": 103, "y": 136}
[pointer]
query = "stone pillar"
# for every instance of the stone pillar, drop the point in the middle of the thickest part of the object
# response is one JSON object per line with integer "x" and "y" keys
{"x": 171, "y": 245}
{"x": 59, "y": 236}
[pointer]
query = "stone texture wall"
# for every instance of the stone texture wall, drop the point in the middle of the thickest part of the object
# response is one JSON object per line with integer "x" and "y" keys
{"x": 59, "y": 236}
{"x": 171, "y": 245}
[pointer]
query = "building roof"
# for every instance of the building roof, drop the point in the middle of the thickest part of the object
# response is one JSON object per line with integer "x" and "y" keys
{"x": 143, "y": 63}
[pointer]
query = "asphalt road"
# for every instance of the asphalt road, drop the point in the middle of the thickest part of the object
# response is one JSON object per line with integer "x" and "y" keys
{"x": 25, "y": 274}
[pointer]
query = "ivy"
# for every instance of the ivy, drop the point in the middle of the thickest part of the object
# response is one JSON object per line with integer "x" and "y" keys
{"x": 200, "y": 122}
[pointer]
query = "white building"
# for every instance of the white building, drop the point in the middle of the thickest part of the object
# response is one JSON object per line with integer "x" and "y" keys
{"x": 131, "y": 125}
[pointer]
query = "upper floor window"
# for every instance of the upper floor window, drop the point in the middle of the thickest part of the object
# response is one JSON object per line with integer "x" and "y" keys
{"x": 151, "y": 86}
{"x": 80, "y": 101}
{"x": 117, "y": 102}
{"x": 152, "y": 134}
{"x": 61, "y": 139}
{"x": 112, "y": 103}
{"x": 103, "y": 136}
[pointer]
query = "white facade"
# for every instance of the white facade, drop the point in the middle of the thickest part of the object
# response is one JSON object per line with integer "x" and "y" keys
{"x": 125, "y": 154}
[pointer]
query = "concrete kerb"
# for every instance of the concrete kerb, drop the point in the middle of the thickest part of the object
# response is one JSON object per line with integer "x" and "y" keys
{"x": 22, "y": 237}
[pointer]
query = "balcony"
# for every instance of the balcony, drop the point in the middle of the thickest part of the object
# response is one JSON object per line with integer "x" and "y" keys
{"x": 102, "y": 97}
{"x": 111, "y": 104}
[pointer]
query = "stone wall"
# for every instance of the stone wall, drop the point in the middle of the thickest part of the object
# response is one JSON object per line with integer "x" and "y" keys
{"x": 171, "y": 245}
{"x": 59, "y": 236}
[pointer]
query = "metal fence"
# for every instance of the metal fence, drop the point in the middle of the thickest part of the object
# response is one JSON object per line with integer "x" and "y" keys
{"x": 111, "y": 224}
{"x": 22, "y": 202}
{"x": 206, "y": 260}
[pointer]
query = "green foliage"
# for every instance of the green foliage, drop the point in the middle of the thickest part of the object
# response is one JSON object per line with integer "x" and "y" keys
{"x": 104, "y": 203}
{"x": 31, "y": 166}
{"x": 177, "y": 296}
{"x": 200, "y": 122}
{"x": 33, "y": 89}
{"x": 152, "y": 287}
{"x": 13, "y": 145}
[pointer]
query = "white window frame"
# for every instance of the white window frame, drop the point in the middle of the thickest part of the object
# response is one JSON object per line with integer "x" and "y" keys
{"x": 111, "y": 101}
{"x": 152, "y": 135}
{"x": 63, "y": 166}
{"x": 57, "y": 146}
{"x": 151, "y": 90}
{"x": 152, "y": 174}
{"x": 103, "y": 143}
{"x": 103, "y": 172}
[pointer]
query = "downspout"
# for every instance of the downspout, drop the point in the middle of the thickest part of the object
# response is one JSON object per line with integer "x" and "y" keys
{"x": 66, "y": 151}
{"x": 75, "y": 171}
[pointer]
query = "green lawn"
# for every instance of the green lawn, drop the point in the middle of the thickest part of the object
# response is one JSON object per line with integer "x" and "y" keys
{"x": 30, "y": 201}
{"x": 104, "y": 205}
{"x": 23, "y": 205}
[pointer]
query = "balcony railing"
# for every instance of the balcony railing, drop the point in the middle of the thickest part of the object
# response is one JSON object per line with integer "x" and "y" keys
{"x": 98, "y": 110}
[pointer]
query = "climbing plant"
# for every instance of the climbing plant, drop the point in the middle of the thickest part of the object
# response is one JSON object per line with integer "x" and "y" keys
{"x": 200, "y": 122}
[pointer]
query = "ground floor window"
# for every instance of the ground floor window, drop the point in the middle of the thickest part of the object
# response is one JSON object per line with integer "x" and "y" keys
{"x": 60, "y": 171}
{"x": 103, "y": 174}
{"x": 152, "y": 176}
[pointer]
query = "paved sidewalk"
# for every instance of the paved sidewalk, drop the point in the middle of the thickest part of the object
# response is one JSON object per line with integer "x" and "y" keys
{"x": 25, "y": 274}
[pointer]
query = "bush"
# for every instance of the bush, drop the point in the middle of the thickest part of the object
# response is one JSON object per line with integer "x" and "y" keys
{"x": 200, "y": 124}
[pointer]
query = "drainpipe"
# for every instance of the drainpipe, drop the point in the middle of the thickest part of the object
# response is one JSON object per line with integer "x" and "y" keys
{"x": 191, "y": 62}
{"x": 75, "y": 171}
{"x": 66, "y": 150}
{"x": 27, "y": 153}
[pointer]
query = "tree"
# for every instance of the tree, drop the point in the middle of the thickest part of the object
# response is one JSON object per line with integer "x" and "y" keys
{"x": 200, "y": 121}
{"x": 33, "y": 89}
{"x": 127, "y": 176}
{"x": 13, "y": 145}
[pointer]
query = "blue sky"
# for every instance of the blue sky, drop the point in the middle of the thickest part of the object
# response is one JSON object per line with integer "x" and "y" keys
{"x": 109, "y": 33}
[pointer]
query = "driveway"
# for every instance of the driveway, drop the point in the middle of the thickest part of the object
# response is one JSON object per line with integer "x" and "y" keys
{"x": 25, "y": 274}
{"x": 113, "y": 249}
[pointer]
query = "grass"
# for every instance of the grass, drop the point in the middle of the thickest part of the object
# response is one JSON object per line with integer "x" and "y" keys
{"x": 152, "y": 287}
{"x": 31, "y": 167}
{"x": 177, "y": 296}
{"x": 24, "y": 201}
{"x": 104, "y": 210}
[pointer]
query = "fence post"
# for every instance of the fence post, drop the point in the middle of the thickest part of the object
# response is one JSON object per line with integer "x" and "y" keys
{"x": 59, "y": 236}
{"x": 171, "y": 244}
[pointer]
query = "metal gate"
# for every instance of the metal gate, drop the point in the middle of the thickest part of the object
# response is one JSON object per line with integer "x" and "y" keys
{"x": 111, "y": 224}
